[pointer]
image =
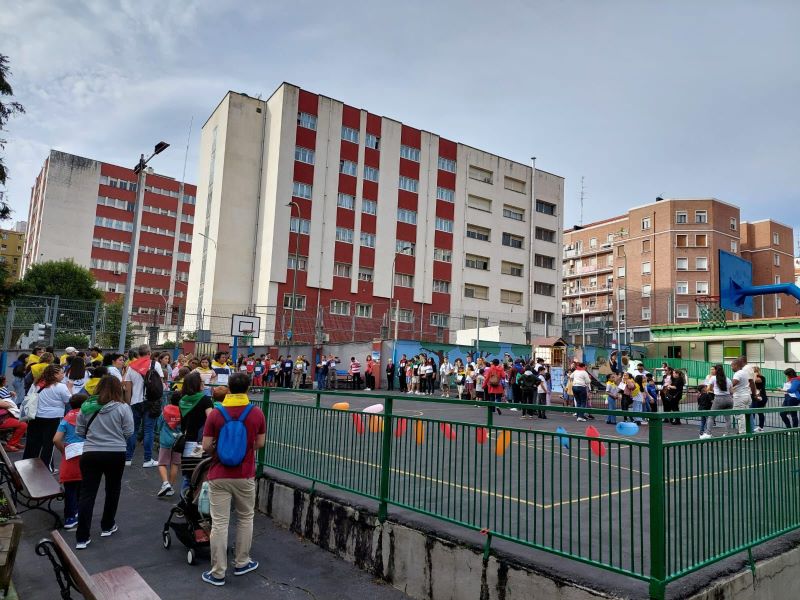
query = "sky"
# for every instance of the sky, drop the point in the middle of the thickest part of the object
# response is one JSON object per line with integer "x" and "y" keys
{"x": 639, "y": 98}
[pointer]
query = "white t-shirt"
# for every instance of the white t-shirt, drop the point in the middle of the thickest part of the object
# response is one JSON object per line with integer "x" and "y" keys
{"x": 580, "y": 378}
{"x": 479, "y": 381}
{"x": 115, "y": 372}
{"x": 137, "y": 383}
{"x": 77, "y": 384}
{"x": 719, "y": 392}
{"x": 742, "y": 389}
{"x": 53, "y": 401}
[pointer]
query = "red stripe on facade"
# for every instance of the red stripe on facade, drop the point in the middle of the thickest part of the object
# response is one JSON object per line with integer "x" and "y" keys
{"x": 348, "y": 151}
{"x": 351, "y": 117}
{"x": 369, "y": 223}
{"x": 406, "y": 232}
{"x": 442, "y": 270}
{"x": 347, "y": 184}
{"x": 409, "y": 168}
{"x": 410, "y": 136}
{"x": 442, "y": 239}
{"x": 303, "y": 172}
{"x": 448, "y": 149}
{"x": 407, "y": 200}
{"x": 446, "y": 179}
{"x": 446, "y": 210}
{"x": 308, "y": 102}
{"x": 345, "y": 218}
{"x": 373, "y": 124}
{"x": 306, "y": 138}
{"x": 369, "y": 190}
{"x": 343, "y": 252}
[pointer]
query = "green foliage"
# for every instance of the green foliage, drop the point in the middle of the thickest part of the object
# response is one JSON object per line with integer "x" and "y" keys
{"x": 8, "y": 288}
{"x": 168, "y": 344}
{"x": 62, "y": 278}
{"x": 67, "y": 339}
{"x": 7, "y": 110}
{"x": 113, "y": 322}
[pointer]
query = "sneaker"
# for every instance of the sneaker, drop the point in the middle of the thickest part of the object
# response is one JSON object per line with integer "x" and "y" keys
{"x": 150, "y": 463}
{"x": 170, "y": 492}
{"x": 758, "y": 430}
{"x": 367, "y": 390}
{"x": 209, "y": 578}
{"x": 82, "y": 545}
{"x": 705, "y": 436}
{"x": 581, "y": 420}
{"x": 71, "y": 523}
{"x": 110, "y": 532}
{"x": 251, "y": 566}
{"x": 128, "y": 463}
{"x": 165, "y": 488}
{"x": 513, "y": 410}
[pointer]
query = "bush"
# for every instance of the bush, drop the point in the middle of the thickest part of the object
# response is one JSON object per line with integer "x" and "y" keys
{"x": 66, "y": 339}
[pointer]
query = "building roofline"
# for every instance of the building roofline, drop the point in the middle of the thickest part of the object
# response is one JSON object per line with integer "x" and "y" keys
{"x": 684, "y": 200}
{"x": 768, "y": 221}
{"x": 104, "y": 162}
{"x": 596, "y": 224}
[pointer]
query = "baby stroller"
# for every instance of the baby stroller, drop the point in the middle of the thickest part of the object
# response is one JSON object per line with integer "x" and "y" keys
{"x": 193, "y": 531}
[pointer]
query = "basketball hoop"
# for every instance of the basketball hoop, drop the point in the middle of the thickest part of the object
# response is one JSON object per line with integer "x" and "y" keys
{"x": 710, "y": 312}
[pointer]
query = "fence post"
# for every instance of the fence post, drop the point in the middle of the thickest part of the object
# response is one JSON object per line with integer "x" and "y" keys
{"x": 54, "y": 322}
{"x": 386, "y": 460}
{"x": 261, "y": 457}
{"x": 93, "y": 340}
{"x": 10, "y": 313}
{"x": 658, "y": 540}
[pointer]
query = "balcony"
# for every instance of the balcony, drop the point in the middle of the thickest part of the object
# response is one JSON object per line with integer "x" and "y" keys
{"x": 578, "y": 324}
{"x": 586, "y": 270}
{"x": 571, "y": 252}
{"x": 597, "y": 309}
{"x": 580, "y": 291}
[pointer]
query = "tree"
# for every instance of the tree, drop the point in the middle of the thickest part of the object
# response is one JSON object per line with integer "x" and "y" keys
{"x": 8, "y": 287}
{"x": 109, "y": 338}
{"x": 61, "y": 278}
{"x": 7, "y": 110}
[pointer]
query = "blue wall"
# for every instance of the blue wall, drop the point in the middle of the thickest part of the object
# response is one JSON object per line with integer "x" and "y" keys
{"x": 489, "y": 350}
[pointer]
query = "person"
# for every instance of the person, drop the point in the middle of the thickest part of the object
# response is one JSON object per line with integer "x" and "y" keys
{"x": 278, "y": 366}
{"x": 721, "y": 388}
{"x": 332, "y": 362}
{"x": 612, "y": 396}
{"x": 258, "y": 373}
{"x": 114, "y": 364}
{"x": 169, "y": 461}
{"x": 528, "y": 386}
{"x": 742, "y": 392}
{"x": 221, "y": 367}
{"x": 580, "y": 389}
{"x": 36, "y": 370}
{"x": 638, "y": 397}
{"x": 177, "y": 380}
{"x": 430, "y": 377}
{"x": 9, "y": 418}
{"x": 791, "y": 397}
{"x": 675, "y": 393}
{"x": 288, "y": 366}
{"x": 95, "y": 356}
{"x": 541, "y": 390}
{"x": 355, "y": 373}
{"x": 390, "y": 372}
{"x": 480, "y": 383}
{"x": 33, "y": 357}
{"x": 322, "y": 372}
{"x": 297, "y": 372}
{"x": 401, "y": 364}
{"x": 651, "y": 395}
{"x": 207, "y": 374}
{"x": 141, "y": 408}
{"x": 77, "y": 374}
{"x": 460, "y": 377}
{"x": 18, "y": 374}
{"x": 195, "y": 406}
{"x": 53, "y": 399}
{"x": 760, "y": 398}
{"x": 69, "y": 470}
{"x": 233, "y": 484}
{"x": 445, "y": 369}
{"x": 495, "y": 375}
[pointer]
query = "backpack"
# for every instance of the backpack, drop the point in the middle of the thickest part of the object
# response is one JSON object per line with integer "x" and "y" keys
{"x": 494, "y": 380}
{"x": 30, "y": 405}
{"x": 153, "y": 390}
{"x": 232, "y": 441}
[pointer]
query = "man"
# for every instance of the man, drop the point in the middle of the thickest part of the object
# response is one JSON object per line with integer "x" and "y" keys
{"x": 743, "y": 390}
{"x": 322, "y": 372}
{"x": 390, "y": 372}
{"x": 133, "y": 386}
{"x": 287, "y": 367}
{"x": 355, "y": 373}
{"x": 233, "y": 484}
{"x": 541, "y": 390}
{"x": 95, "y": 356}
{"x": 332, "y": 360}
{"x": 641, "y": 371}
{"x": 70, "y": 351}
{"x": 221, "y": 367}
{"x": 402, "y": 373}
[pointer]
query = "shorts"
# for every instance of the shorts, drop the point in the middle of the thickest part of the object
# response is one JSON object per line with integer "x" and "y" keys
{"x": 414, "y": 380}
{"x": 166, "y": 457}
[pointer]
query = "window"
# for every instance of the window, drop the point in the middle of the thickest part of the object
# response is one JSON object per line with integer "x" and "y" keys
{"x": 440, "y": 320}
{"x": 620, "y": 271}
{"x": 701, "y": 263}
{"x": 306, "y": 120}
{"x": 344, "y": 235}
{"x": 367, "y": 239}
{"x": 298, "y": 304}
{"x": 544, "y": 261}
{"x": 409, "y": 153}
{"x": 646, "y": 289}
{"x": 682, "y": 264}
{"x": 340, "y": 307}
{"x": 479, "y": 203}
{"x": 445, "y": 164}
{"x": 544, "y": 289}
{"x": 512, "y": 241}
{"x": 546, "y": 235}
{"x": 479, "y": 292}
{"x": 681, "y": 240}
{"x": 342, "y": 269}
{"x": 348, "y": 167}
{"x": 445, "y": 194}
{"x": 349, "y": 134}
{"x": 346, "y": 201}
{"x": 478, "y": 233}
{"x": 443, "y": 255}
{"x": 776, "y": 238}
{"x": 701, "y": 240}
{"x": 733, "y": 223}
{"x": 645, "y": 268}
{"x": 404, "y": 280}
{"x": 472, "y": 322}
{"x": 734, "y": 246}
{"x": 645, "y": 246}
{"x": 473, "y": 261}
{"x": 546, "y": 208}
{"x": 511, "y": 268}
{"x": 701, "y": 287}
{"x": 445, "y": 225}
{"x": 512, "y": 212}
{"x": 408, "y": 184}
{"x": 404, "y": 247}
{"x": 114, "y": 203}
{"x": 441, "y": 286}
{"x": 682, "y": 287}
{"x": 302, "y": 226}
{"x": 372, "y": 141}
{"x": 646, "y": 313}
{"x": 593, "y": 243}
{"x": 515, "y": 185}
{"x": 364, "y": 310}
{"x": 369, "y": 207}
{"x": 370, "y": 173}
{"x": 406, "y": 216}
{"x": 776, "y": 260}
{"x": 610, "y": 260}
{"x": 510, "y": 297}
{"x": 681, "y": 217}
{"x": 365, "y": 274}
{"x": 302, "y": 262}
{"x": 301, "y": 190}
{"x": 701, "y": 216}
{"x": 113, "y": 245}
{"x": 646, "y": 223}
{"x": 404, "y": 315}
{"x": 682, "y": 311}
{"x": 304, "y": 155}
{"x": 542, "y": 316}
{"x": 480, "y": 174}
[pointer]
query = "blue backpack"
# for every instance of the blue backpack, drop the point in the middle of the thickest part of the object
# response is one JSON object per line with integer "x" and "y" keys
{"x": 232, "y": 441}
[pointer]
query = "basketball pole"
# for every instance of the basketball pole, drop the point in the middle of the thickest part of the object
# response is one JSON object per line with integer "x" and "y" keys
{"x": 235, "y": 348}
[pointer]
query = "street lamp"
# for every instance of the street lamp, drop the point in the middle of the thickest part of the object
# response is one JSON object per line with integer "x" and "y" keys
{"x": 210, "y": 239}
{"x": 402, "y": 250}
{"x": 617, "y": 236}
{"x": 292, "y": 203}
{"x": 139, "y": 169}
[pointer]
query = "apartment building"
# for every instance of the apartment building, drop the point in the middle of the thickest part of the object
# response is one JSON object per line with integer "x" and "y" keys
{"x": 769, "y": 245}
{"x": 83, "y": 209}
{"x": 324, "y": 215}
{"x": 12, "y": 242}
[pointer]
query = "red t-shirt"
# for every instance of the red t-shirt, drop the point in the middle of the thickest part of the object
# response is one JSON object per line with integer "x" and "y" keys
{"x": 255, "y": 423}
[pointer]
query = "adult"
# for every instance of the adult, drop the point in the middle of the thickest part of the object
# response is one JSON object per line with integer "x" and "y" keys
{"x": 542, "y": 389}
{"x": 528, "y": 385}
{"x": 613, "y": 394}
{"x": 390, "y": 371}
{"x": 195, "y": 406}
{"x": 403, "y": 387}
{"x": 144, "y": 412}
{"x": 742, "y": 392}
{"x": 69, "y": 352}
{"x": 322, "y": 372}
{"x": 114, "y": 364}
{"x": 164, "y": 359}
{"x": 445, "y": 370}
{"x": 18, "y": 374}
{"x": 721, "y": 388}
{"x": 674, "y": 394}
{"x": 581, "y": 383}
{"x": 791, "y": 397}
{"x": 430, "y": 376}
{"x": 355, "y": 373}
{"x": 297, "y": 372}
{"x": 287, "y": 367}
{"x": 233, "y": 484}
{"x": 369, "y": 375}
{"x": 107, "y": 425}
{"x": 95, "y": 356}
{"x": 332, "y": 361}
{"x": 9, "y": 420}
{"x": 495, "y": 375}
{"x": 33, "y": 357}
{"x": 204, "y": 370}
{"x": 760, "y": 398}
{"x": 77, "y": 374}
{"x": 53, "y": 399}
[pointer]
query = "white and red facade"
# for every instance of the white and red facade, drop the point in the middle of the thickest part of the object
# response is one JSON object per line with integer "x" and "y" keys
{"x": 365, "y": 187}
{"x": 83, "y": 209}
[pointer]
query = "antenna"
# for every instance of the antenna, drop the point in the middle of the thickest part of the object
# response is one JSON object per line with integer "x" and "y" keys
{"x": 583, "y": 190}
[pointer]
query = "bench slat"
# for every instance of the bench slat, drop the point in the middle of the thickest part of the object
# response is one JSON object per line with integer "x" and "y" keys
{"x": 123, "y": 583}
{"x": 77, "y": 571}
{"x": 38, "y": 479}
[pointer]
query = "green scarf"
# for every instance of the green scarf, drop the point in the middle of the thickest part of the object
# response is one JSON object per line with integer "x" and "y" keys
{"x": 187, "y": 403}
{"x": 91, "y": 405}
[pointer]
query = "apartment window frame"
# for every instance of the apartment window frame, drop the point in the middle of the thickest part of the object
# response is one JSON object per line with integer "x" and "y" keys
{"x": 734, "y": 224}
{"x": 681, "y": 311}
{"x": 307, "y": 120}
{"x": 348, "y": 167}
{"x": 511, "y": 297}
{"x": 681, "y": 217}
{"x": 476, "y": 261}
{"x": 409, "y": 184}
{"x": 511, "y": 240}
{"x": 410, "y": 248}
{"x": 701, "y": 288}
{"x": 776, "y": 238}
{"x": 369, "y": 207}
{"x": 701, "y": 217}
{"x": 346, "y": 201}
{"x": 681, "y": 260}
{"x": 304, "y": 155}
{"x": 404, "y": 280}
{"x": 366, "y": 274}
{"x": 647, "y": 223}
{"x": 546, "y": 208}
{"x": 302, "y": 190}
{"x": 512, "y": 184}
{"x": 443, "y": 255}
{"x": 477, "y": 173}
{"x": 344, "y": 235}
{"x": 514, "y": 213}
{"x": 350, "y": 134}
{"x": 344, "y": 270}
{"x": 441, "y": 286}
{"x": 701, "y": 240}
{"x": 646, "y": 313}
{"x": 479, "y": 203}
{"x": 541, "y": 288}
{"x": 701, "y": 263}
{"x": 440, "y": 320}
{"x": 647, "y": 268}
{"x": 363, "y": 311}
{"x": 445, "y": 225}
{"x": 408, "y": 216}
{"x": 543, "y": 234}
{"x": 410, "y": 153}
{"x": 445, "y": 194}
{"x": 476, "y": 291}
{"x": 366, "y": 239}
{"x": 302, "y": 261}
{"x": 371, "y": 173}
{"x": 682, "y": 288}
{"x": 372, "y": 141}
{"x": 340, "y": 308}
{"x": 543, "y": 260}
{"x": 646, "y": 245}
{"x": 447, "y": 164}
{"x": 299, "y": 301}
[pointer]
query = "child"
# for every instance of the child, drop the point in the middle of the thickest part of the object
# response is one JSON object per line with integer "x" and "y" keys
{"x": 258, "y": 373}
{"x": 169, "y": 424}
{"x": 70, "y": 469}
{"x": 9, "y": 414}
{"x": 177, "y": 383}
{"x": 480, "y": 380}
{"x": 652, "y": 393}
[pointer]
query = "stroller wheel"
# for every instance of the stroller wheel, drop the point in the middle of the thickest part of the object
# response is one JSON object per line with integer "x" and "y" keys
{"x": 190, "y": 556}
{"x": 166, "y": 539}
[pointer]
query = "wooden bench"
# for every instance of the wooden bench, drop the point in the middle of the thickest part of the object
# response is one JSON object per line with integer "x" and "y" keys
{"x": 31, "y": 484}
{"x": 122, "y": 583}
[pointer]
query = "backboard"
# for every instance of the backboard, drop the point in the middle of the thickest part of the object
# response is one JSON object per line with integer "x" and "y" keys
{"x": 734, "y": 274}
{"x": 249, "y": 325}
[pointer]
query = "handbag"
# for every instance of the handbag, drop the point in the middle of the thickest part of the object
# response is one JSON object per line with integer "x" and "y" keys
{"x": 30, "y": 405}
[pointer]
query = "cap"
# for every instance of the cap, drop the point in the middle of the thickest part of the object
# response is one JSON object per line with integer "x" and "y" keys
{"x": 70, "y": 350}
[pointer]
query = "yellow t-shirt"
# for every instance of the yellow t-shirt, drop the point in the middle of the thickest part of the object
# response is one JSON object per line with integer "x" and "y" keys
{"x": 63, "y": 359}
{"x": 32, "y": 360}
{"x": 37, "y": 370}
{"x": 98, "y": 358}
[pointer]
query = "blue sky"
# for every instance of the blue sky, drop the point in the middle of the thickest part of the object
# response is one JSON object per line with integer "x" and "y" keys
{"x": 641, "y": 98}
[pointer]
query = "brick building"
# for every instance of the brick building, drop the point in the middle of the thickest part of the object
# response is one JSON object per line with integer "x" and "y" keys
{"x": 12, "y": 242}
{"x": 770, "y": 247}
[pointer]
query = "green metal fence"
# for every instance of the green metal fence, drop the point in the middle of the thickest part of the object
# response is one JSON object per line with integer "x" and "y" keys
{"x": 698, "y": 369}
{"x": 650, "y": 509}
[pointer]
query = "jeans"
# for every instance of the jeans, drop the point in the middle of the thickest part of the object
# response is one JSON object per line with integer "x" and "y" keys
{"x": 94, "y": 466}
{"x": 527, "y": 399}
{"x": 790, "y": 401}
{"x": 71, "y": 492}
{"x": 321, "y": 380}
{"x": 18, "y": 385}
{"x": 141, "y": 417}
{"x": 242, "y": 494}
{"x": 637, "y": 407}
{"x": 581, "y": 398}
{"x": 612, "y": 405}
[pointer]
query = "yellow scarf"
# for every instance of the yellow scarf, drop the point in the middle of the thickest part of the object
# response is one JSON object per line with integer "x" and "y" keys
{"x": 236, "y": 400}
{"x": 91, "y": 385}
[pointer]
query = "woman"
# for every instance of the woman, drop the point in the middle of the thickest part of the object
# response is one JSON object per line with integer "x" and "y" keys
{"x": 53, "y": 399}
{"x": 77, "y": 374}
{"x": 106, "y": 424}
{"x": 494, "y": 383}
{"x": 721, "y": 387}
{"x": 791, "y": 391}
{"x": 612, "y": 395}
{"x": 581, "y": 383}
{"x": 369, "y": 375}
{"x": 205, "y": 372}
{"x": 9, "y": 414}
{"x": 461, "y": 375}
{"x": 18, "y": 372}
{"x": 430, "y": 376}
{"x": 760, "y": 398}
{"x": 194, "y": 405}
{"x": 675, "y": 394}
{"x": 114, "y": 364}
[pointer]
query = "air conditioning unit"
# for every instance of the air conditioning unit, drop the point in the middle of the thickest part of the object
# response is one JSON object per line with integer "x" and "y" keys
{"x": 117, "y": 272}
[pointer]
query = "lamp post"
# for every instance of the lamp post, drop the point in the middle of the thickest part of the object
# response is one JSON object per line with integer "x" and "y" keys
{"x": 402, "y": 250}
{"x": 617, "y": 236}
{"x": 139, "y": 169}
{"x": 292, "y": 203}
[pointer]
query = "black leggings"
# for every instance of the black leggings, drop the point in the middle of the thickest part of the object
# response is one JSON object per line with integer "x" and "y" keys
{"x": 759, "y": 402}
{"x": 94, "y": 466}
{"x": 39, "y": 441}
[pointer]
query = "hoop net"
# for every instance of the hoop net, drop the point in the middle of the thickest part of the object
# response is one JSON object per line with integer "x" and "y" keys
{"x": 710, "y": 312}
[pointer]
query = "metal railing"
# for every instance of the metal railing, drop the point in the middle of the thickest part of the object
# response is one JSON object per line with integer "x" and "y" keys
{"x": 698, "y": 369}
{"x": 649, "y": 509}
